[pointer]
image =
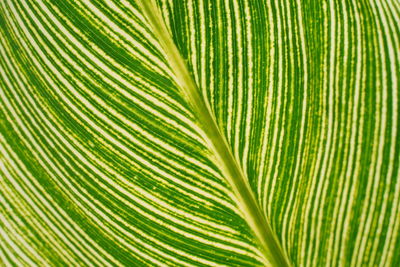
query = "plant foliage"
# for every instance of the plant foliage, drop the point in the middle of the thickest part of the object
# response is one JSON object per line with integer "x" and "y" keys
{"x": 199, "y": 133}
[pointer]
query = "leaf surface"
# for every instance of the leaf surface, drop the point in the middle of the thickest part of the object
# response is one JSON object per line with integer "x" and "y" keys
{"x": 199, "y": 133}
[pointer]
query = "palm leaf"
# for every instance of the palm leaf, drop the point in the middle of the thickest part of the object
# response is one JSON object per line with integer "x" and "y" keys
{"x": 199, "y": 133}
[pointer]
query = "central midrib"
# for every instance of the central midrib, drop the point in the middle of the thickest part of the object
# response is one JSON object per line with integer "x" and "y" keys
{"x": 232, "y": 171}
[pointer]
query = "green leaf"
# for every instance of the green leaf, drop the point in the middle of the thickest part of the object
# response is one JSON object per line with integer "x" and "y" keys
{"x": 199, "y": 133}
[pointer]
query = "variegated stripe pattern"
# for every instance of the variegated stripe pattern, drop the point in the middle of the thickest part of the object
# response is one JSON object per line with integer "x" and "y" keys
{"x": 106, "y": 158}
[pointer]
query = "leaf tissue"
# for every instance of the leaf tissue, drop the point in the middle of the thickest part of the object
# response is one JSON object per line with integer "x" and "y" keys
{"x": 199, "y": 133}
